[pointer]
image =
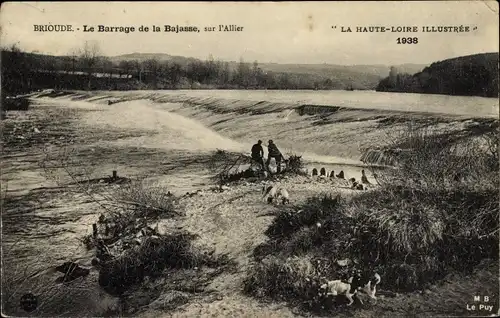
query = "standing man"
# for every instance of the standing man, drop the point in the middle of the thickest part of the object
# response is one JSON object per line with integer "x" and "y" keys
{"x": 273, "y": 152}
{"x": 258, "y": 153}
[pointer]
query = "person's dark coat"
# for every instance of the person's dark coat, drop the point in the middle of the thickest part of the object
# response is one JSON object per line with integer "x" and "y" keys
{"x": 273, "y": 151}
{"x": 257, "y": 151}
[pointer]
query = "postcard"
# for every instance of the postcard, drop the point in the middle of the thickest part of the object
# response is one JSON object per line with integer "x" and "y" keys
{"x": 250, "y": 159}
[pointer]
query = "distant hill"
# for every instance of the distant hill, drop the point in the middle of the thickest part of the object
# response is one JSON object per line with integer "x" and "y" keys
{"x": 322, "y": 69}
{"x": 328, "y": 69}
{"x": 471, "y": 75}
{"x": 355, "y": 76}
{"x": 165, "y": 71}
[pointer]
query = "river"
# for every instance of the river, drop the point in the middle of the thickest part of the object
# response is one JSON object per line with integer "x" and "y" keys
{"x": 432, "y": 103}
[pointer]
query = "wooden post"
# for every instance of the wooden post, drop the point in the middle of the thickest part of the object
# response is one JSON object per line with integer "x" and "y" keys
{"x": 94, "y": 230}
{"x": 115, "y": 174}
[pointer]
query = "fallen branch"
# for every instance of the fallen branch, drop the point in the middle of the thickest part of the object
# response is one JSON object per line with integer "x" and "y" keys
{"x": 147, "y": 206}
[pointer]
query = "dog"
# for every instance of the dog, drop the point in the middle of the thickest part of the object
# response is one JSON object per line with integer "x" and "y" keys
{"x": 337, "y": 287}
{"x": 273, "y": 192}
{"x": 285, "y": 197}
{"x": 269, "y": 192}
{"x": 322, "y": 172}
{"x": 355, "y": 185}
{"x": 366, "y": 283}
{"x": 358, "y": 282}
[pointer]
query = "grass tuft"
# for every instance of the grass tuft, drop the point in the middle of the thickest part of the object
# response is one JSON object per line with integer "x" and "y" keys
{"x": 288, "y": 221}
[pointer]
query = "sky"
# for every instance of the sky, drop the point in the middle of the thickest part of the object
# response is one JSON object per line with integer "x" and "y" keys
{"x": 273, "y": 32}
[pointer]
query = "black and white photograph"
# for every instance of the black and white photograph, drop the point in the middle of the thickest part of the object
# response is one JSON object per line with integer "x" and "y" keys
{"x": 250, "y": 159}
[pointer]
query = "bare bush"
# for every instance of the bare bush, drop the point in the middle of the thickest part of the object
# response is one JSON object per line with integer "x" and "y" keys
{"x": 295, "y": 165}
{"x": 227, "y": 167}
{"x": 156, "y": 201}
{"x": 223, "y": 163}
{"x": 435, "y": 159}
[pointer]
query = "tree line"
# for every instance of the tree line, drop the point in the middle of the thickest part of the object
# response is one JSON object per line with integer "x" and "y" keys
{"x": 86, "y": 69}
{"x": 474, "y": 75}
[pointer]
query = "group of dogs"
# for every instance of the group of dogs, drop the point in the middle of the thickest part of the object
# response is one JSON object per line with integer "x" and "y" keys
{"x": 274, "y": 193}
{"x": 354, "y": 184}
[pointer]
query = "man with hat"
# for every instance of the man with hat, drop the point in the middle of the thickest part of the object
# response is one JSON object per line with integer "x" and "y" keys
{"x": 258, "y": 153}
{"x": 273, "y": 152}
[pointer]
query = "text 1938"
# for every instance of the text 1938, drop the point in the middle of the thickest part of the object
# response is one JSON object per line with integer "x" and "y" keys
{"x": 407, "y": 40}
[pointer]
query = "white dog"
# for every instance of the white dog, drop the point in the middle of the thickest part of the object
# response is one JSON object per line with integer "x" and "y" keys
{"x": 337, "y": 287}
{"x": 273, "y": 192}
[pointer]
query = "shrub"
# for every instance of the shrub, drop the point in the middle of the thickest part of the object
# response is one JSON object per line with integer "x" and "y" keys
{"x": 295, "y": 165}
{"x": 435, "y": 159}
{"x": 283, "y": 279}
{"x": 290, "y": 271}
{"x": 295, "y": 280}
{"x": 131, "y": 208}
{"x": 311, "y": 212}
{"x": 224, "y": 163}
{"x": 144, "y": 201}
{"x": 404, "y": 227}
{"x": 150, "y": 258}
{"x": 470, "y": 212}
{"x": 439, "y": 210}
{"x": 392, "y": 220}
{"x": 396, "y": 230}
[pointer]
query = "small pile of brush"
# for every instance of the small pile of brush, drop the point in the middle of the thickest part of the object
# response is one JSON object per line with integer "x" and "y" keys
{"x": 150, "y": 258}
